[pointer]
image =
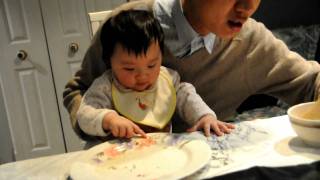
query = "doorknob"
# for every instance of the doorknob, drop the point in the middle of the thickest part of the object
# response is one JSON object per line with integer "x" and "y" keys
{"x": 22, "y": 55}
{"x": 74, "y": 47}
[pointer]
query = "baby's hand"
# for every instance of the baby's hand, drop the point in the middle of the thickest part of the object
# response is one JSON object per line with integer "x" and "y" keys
{"x": 120, "y": 126}
{"x": 209, "y": 122}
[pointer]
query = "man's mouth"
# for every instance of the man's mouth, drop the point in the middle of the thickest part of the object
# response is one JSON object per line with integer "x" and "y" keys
{"x": 235, "y": 24}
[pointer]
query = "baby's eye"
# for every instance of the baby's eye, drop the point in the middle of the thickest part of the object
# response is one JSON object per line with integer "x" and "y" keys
{"x": 151, "y": 66}
{"x": 129, "y": 69}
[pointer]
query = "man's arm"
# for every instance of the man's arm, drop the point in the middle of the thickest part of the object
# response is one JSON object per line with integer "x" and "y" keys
{"x": 275, "y": 70}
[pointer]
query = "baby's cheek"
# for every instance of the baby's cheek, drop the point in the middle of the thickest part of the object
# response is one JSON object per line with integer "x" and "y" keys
{"x": 155, "y": 77}
{"x": 127, "y": 81}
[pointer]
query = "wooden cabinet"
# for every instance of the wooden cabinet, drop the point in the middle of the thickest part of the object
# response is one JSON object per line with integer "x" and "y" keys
{"x": 41, "y": 46}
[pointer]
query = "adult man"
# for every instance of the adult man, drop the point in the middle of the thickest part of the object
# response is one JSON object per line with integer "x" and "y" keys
{"x": 216, "y": 46}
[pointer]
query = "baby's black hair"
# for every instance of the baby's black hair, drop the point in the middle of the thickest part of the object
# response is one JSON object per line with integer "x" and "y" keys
{"x": 134, "y": 30}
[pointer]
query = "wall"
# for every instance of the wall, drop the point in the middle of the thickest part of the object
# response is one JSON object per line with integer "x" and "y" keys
{"x": 102, "y": 5}
{"x": 288, "y": 13}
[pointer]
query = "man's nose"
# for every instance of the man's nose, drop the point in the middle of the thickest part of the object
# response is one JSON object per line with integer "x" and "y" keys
{"x": 247, "y": 7}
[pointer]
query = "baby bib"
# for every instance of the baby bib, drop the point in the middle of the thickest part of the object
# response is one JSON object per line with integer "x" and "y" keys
{"x": 153, "y": 107}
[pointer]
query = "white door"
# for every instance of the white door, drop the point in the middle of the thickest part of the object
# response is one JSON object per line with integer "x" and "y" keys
{"x": 26, "y": 81}
{"x": 68, "y": 36}
{"x": 68, "y": 30}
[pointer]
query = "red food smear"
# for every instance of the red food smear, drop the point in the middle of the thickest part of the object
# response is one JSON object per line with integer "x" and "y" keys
{"x": 111, "y": 151}
{"x": 145, "y": 142}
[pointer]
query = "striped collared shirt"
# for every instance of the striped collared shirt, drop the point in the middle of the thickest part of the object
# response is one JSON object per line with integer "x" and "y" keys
{"x": 181, "y": 39}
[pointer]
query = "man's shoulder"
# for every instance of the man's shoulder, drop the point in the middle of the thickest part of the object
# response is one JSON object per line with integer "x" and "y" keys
{"x": 164, "y": 6}
{"x": 140, "y": 4}
{"x": 252, "y": 24}
{"x": 251, "y": 28}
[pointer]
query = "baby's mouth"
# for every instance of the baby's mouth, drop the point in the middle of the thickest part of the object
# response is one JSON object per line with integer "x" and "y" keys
{"x": 143, "y": 86}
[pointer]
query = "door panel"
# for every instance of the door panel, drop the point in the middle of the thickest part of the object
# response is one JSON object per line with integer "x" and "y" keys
{"x": 68, "y": 37}
{"x": 68, "y": 34}
{"x": 28, "y": 88}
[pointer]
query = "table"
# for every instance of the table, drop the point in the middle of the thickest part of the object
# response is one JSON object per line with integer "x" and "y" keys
{"x": 263, "y": 142}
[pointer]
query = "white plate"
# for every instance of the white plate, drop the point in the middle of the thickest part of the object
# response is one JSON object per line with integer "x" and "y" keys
{"x": 162, "y": 156}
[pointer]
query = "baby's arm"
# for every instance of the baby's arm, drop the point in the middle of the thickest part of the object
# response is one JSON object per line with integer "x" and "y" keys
{"x": 96, "y": 115}
{"x": 195, "y": 111}
{"x": 208, "y": 123}
{"x": 120, "y": 126}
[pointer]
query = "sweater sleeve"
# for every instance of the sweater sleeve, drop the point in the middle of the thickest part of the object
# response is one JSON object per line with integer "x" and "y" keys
{"x": 190, "y": 106}
{"x": 96, "y": 103}
{"x": 275, "y": 70}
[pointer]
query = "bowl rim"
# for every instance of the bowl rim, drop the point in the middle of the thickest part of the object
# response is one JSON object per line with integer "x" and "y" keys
{"x": 299, "y": 118}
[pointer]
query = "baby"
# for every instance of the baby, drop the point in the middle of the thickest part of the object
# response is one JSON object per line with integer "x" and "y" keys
{"x": 136, "y": 94}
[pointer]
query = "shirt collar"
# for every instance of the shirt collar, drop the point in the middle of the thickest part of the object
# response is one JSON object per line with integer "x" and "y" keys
{"x": 187, "y": 34}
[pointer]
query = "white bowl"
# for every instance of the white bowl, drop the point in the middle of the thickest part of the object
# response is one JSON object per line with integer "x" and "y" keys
{"x": 307, "y": 129}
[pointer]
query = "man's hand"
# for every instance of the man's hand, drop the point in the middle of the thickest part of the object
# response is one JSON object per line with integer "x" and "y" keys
{"x": 209, "y": 122}
{"x": 120, "y": 126}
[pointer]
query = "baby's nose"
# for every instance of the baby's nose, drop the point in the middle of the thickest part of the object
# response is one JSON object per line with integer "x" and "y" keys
{"x": 142, "y": 75}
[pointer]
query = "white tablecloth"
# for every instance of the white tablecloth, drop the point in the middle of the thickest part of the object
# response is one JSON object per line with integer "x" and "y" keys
{"x": 273, "y": 144}
{"x": 263, "y": 142}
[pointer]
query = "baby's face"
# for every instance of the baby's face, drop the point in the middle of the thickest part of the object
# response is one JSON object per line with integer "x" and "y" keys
{"x": 136, "y": 72}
